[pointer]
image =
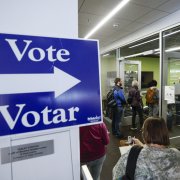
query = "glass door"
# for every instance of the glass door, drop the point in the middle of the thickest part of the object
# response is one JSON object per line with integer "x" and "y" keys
{"x": 129, "y": 71}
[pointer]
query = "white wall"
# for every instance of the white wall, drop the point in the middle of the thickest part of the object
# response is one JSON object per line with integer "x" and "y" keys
{"x": 57, "y": 18}
{"x": 108, "y": 64}
{"x": 155, "y": 27}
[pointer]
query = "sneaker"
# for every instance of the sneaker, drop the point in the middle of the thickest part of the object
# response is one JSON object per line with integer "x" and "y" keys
{"x": 133, "y": 128}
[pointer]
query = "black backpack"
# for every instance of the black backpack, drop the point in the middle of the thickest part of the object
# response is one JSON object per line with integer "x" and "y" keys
{"x": 131, "y": 162}
{"x": 111, "y": 102}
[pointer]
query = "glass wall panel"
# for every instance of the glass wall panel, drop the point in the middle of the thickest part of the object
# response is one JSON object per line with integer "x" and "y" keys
{"x": 146, "y": 51}
{"x": 108, "y": 74}
{"x": 143, "y": 47}
{"x": 171, "y": 80}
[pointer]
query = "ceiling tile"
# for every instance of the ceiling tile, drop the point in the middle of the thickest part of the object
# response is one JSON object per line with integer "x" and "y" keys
{"x": 89, "y": 19}
{"x": 104, "y": 32}
{"x": 98, "y": 7}
{"x": 150, "y": 3}
{"x": 83, "y": 29}
{"x": 152, "y": 16}
{"x": 171, "y": 6}
{"x": 132, "y": 12}
{"x": 117, "y": 36}
{"x": 134, "y": 26}
{"x": 80, "y": 3}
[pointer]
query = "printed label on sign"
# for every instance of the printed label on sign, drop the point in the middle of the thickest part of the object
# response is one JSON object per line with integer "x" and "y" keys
{"x": 26, "y": 151}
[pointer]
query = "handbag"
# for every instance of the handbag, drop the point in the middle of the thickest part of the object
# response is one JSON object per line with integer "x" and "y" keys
{"x": 131, "y": 162}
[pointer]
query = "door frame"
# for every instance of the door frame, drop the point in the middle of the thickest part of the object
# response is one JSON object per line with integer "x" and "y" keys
{"x": 121, "y": 69}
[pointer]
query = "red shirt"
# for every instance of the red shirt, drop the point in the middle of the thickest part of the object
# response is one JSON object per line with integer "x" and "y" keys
{"x": 93, "y": 140}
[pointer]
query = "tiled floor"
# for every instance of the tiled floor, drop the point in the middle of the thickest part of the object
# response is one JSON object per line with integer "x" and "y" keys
{"x": 113, "y": 153}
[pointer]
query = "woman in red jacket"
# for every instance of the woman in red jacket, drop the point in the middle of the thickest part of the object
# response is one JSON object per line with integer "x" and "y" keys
{"x": 93, "y": 141}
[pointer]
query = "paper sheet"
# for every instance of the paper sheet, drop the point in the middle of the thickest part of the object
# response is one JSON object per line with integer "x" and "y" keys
{"x": 124, "y": 149}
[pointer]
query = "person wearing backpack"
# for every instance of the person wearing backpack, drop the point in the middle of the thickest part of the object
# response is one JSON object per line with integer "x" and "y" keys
{"x": 135, "y": 100}
{"x": 152, "y": 99}
{"x": 118, "y": 109}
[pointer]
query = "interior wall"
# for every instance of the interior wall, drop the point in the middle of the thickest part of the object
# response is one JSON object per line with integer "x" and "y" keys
{"x": 108, "y": 64}
{"x": 57, "y": 18}
{"x": 150, "y": 64}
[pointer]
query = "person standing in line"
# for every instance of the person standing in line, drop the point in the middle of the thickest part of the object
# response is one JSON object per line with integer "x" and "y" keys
{"x": 152, "y": 99}
{"x": 118, "y": 110}
{"x": 93, "y": 141}
{"x": 136, "y": 104}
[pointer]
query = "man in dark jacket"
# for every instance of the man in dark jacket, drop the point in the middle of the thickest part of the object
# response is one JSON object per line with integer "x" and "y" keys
{"x": 118, "y": 110}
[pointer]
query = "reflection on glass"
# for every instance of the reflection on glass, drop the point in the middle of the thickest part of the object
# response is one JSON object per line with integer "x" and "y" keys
{"x": 171, "y": 77}
{"x": 130, "y": 74}
{"x": 149, "y": 45}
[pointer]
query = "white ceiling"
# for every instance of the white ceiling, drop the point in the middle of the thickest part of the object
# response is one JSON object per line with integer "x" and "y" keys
{"x": 134, "y": 16}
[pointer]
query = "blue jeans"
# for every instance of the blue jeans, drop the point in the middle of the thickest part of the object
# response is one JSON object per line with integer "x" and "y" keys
{"x": 153, "y": 110}
{"x": 95, "y": 167}
{"x": 117, "y": 117}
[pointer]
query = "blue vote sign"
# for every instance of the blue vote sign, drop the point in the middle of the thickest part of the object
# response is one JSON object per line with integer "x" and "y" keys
{"x": 47, "y": 83}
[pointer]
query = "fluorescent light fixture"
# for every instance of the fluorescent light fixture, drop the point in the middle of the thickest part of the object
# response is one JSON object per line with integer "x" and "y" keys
{"x": 134, "y": 55}
{"x": 156, "y": 50}
{"x": 145, "y": 53}
{"x": 106, "y": 18}
{"x": 154, "y": 39}
{"x": 172, "y": 49}
{"x": 172, "y": 33}
{"x": 157, "y": 53}
{"x": 148, "y": 52}
{"x": 144, "y": 42}
{"x": 104, "y": 55}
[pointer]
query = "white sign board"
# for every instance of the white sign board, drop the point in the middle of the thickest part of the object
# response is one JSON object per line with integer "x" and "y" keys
{"x": 169, "y": 94}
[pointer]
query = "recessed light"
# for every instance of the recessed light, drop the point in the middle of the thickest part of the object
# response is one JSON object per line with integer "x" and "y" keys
{"x": 105, "y": 54}
{"x": 115, "y": 25}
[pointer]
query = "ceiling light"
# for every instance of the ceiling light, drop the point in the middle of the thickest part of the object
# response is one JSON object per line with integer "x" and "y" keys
{"x": 104, "y": 55}
{"x": 157, "y": 53}
{"x": 172, "y": 49}
{"x": 154, "y": 39}
{"x": 144, "y": 42}
{"x": 106, "y": 18}
{"x": 156, "y": 50}
{"x": 172, "y": 33}
{"x": 134, "y": 55}
{"x": 145, "y": 53}
{"x": 115, "y": 25}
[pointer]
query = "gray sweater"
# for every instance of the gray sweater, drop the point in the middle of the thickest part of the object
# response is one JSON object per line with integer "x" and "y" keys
{"x": 152, "y": 164}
